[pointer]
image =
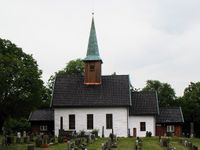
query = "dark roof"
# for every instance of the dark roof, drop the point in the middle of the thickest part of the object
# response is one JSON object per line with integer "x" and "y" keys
{"x": 70, "y": 91}
{"x": 42, "y": 115}
{"x": 170, "y": 115}
{"x": 144, "y": 103}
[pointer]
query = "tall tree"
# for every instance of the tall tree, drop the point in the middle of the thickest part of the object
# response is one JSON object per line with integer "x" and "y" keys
{"x": 20, "y": 83}
{"x": 166, "y": 94}
{"x": 191, "y": 105}
{"x": 75, "y": 67}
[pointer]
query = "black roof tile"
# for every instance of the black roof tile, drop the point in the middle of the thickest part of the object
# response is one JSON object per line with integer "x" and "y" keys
{"x": 42, "y": 115}
{"x": 144, "y": 103}
{"x": 70, "y": 91}
{"x": 170, "y": 115}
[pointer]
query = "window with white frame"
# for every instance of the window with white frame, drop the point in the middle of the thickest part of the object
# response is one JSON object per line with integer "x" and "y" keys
{"x": 43, "y": 128}
{"x": 170, "y": 128}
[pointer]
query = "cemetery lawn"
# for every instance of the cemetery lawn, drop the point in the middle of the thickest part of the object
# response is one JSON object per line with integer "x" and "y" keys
{"x": 175, "y": 143}
{"x": 151, "y": 143}
{"x": 123, "y": 144}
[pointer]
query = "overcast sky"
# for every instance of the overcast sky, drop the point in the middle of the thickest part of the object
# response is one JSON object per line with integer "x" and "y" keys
{"x": 147, "y": 39}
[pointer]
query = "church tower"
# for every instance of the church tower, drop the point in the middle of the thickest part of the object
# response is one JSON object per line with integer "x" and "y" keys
{"x": 92, "y": 72}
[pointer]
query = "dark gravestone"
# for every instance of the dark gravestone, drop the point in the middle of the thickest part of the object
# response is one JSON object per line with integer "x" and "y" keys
{"x": 8, "y": 140}
{"x": 38, "y": 141}
{"x": 46, "y": 139}
{"x": 189, "y": 145}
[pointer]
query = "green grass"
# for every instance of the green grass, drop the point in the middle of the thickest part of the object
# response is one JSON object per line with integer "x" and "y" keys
{"x": 151, "y": 144}
{"x": 24, "y": 147}
{"x": 123, "y": 144}
{"x": 175, "y": 143}
{"x": 195, "y": 141}
{"x": 96, "y": 145}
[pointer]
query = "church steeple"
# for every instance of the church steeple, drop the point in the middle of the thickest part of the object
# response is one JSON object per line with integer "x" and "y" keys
{"x": 93, "y": 50}
{"x": 92, "y": 74}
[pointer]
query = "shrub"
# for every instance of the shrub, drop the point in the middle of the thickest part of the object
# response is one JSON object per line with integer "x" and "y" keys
{"x": 195, "y": 147}
{"x": 138, "y": 143}
{"x": 148, "y": 134}
{"x": 15, "y": 125}
{"x": 165, "y": 142}
{"x": 82, "y": 133}
{"x": 95, "y": 132}
{"x": 78, "y": 142}
{"x": 60, "y": 139}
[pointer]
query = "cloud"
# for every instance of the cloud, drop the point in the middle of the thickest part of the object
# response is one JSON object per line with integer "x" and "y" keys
{"x": 146, "y": 39}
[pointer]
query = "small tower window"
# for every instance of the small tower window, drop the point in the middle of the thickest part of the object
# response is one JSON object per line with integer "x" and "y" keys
{"x": 92, "y": 67}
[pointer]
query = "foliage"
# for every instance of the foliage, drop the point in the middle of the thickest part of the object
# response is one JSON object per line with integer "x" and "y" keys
{"x": 82, "y": 133}
{"x": 148, "y": 134}
{"x": 190, "y": 103}
{"x": 95, "y": 132}
{"x": 60, "y": 139}
{"x": 73, "y": 67}
{"x": 46, "y": 97}
{"x": 21, "y": 86}
{"x": 16, "y": 125}
{"x": 166, "y": 94}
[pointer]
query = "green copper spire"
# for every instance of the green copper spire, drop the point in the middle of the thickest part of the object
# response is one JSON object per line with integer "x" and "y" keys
{"x": 93, "y": 50}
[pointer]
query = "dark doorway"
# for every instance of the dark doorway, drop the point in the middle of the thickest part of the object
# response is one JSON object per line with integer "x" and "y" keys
{"x": 134, "y": 132}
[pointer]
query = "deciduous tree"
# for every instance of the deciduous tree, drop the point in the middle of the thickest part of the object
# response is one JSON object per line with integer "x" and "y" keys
{"x": 166, "y": 94}
{"x": 75, "y": 67}
{"x": 191, "y": 105}
{"x": 20, "y": 82}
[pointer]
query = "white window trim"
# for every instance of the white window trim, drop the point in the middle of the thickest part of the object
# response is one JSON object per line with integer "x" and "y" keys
{"x": 170, "y": 128}
{"x": 43, "y": 128}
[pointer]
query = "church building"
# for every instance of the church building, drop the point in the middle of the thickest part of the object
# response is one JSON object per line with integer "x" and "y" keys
{"x": 106, "y": 103}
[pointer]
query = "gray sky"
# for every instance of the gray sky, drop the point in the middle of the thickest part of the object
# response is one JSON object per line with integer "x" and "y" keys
{"x": 147, "y": 39}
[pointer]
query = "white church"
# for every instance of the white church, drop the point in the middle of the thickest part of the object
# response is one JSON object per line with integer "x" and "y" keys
{"x": 95, "y": 101}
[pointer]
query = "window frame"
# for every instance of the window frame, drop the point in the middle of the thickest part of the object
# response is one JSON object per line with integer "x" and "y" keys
{"x": 109, "y": 121}
{"x": 43, "y": 127}
{"x": 170, "y": 128}
{"x": 72, "y": 121}
{"x": 92, "y": 67}
{"x": 142, "y": 126}
{"x": 90, "y": 121}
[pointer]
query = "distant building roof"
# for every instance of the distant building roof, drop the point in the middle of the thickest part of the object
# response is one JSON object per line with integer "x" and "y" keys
{"x": 42, "y": 115}
{"x": 144, "y": 103}
{"x": 170, "y": 115}
{"x": 70, "y": 91}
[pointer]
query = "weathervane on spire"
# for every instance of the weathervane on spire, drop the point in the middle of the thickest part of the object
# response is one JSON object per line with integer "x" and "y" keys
{"x": 93, "y": 8}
